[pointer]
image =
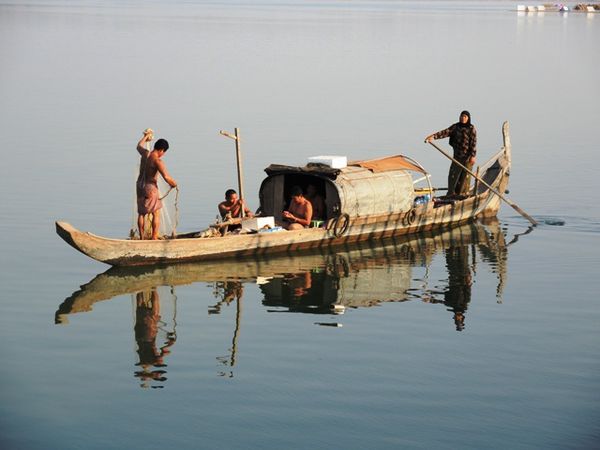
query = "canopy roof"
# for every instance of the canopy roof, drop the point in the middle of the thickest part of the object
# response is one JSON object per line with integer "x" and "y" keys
{"x": 386, "y": 164}
{"x": 397, "y": 162}
{"x": 309, "y": 169}
{"x": 363, "y": 188}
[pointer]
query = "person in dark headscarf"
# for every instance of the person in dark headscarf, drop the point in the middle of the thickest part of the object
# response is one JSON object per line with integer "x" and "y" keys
{"x": 463, "y": 140}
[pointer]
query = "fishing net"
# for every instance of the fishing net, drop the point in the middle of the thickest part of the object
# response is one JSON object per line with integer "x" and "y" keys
{"x": 169, "y": 214}
{"x": 170, "y": 210}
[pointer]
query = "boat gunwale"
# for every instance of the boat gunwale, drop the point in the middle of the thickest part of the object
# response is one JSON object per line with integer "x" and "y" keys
{"x": 424, "y": 221}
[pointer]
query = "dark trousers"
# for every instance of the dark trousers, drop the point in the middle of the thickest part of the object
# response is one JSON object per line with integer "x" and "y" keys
{"x": 458, "y": 178}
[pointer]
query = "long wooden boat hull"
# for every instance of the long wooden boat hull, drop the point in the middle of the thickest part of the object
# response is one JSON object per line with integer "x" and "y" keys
{"x": 122, "y": 252}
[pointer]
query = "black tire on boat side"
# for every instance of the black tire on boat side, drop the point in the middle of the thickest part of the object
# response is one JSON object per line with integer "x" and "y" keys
{"x": 340, "y": 225}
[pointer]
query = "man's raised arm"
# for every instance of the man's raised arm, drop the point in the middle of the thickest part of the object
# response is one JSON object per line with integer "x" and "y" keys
{"x": 147, "y": 137}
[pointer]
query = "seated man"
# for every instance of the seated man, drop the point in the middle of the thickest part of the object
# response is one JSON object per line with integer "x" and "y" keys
{"x": 299, "y": 213}
{"x": 232, "y": 206}
{"x": 317, "y": 202}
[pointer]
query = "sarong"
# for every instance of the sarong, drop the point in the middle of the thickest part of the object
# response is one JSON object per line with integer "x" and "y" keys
{"x": 148, "y": 198}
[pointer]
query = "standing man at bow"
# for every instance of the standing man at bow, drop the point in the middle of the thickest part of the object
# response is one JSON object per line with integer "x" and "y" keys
{"x": 463, "y": 140}
{"x": 148, "y": 197}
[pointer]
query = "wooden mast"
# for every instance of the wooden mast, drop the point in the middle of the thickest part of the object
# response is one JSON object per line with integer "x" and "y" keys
{"x": 238, "y": 159}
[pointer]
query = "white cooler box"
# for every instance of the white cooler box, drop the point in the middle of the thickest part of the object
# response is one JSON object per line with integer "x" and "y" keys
{"x": 335, "y": 162}
{"x": 256, "y": 223}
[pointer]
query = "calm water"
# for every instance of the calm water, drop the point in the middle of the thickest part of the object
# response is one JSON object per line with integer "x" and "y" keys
{"x": 487, "y": 337}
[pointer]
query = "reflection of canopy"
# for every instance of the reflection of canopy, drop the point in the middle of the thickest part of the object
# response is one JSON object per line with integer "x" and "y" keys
{"x": 397, "y": 162}
{"x": 343, "y": 281}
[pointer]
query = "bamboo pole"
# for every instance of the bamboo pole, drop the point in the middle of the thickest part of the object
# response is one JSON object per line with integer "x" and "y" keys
{"x": 240, "y": 173}
{"x": 238, "y": 158}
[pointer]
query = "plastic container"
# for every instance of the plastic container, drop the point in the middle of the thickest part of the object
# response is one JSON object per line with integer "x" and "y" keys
{"x": 422, "y": 199}
{"x": 270, "y": 230}
{"x": 335, "y": 162}
{"x": 258, "y": 223}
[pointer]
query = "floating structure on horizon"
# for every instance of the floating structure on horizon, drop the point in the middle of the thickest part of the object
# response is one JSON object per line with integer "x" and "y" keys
{"x": 559, "y": 7}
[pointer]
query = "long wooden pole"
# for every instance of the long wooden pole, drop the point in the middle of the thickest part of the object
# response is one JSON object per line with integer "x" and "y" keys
{"x": 238, "y": 159}
{"x": 240, "y": 172}
{"x": 512, "y": 205}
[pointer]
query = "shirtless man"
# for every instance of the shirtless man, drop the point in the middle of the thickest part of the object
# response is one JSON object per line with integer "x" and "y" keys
{"x": 146, "y": 187}
{"x": 232, "y": 206}
{"x": 317, "y": 202}
{"x": 300, "y": 212}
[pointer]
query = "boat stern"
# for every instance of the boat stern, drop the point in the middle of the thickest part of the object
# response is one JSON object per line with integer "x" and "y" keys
{"x": 66, "y": 231}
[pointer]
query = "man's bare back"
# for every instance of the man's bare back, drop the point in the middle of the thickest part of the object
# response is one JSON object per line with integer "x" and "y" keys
{"x": 150, "y": 166}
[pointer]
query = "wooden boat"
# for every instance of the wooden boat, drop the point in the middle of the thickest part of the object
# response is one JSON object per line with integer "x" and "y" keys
{"x": 369, "y": 200}
{"x": 364, "y": 276}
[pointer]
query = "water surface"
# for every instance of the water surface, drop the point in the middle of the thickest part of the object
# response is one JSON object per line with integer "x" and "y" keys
{"x": 483, "y": 339}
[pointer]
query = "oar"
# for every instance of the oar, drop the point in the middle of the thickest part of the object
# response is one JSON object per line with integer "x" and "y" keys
{"x": 510, "y": 203}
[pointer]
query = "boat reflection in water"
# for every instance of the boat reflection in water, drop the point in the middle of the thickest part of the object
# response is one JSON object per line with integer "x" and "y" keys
{"x": 327, "y": 283}
{"x": 385, "y": 274}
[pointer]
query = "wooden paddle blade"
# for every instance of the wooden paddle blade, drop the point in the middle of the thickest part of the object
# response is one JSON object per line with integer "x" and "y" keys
{"x": 523, "y": 213}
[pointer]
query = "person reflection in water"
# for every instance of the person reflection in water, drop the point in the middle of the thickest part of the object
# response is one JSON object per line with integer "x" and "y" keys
{"x": 227, "y": 291}
{"x": 147, "y": 319}
{"x": 458, "y": 293}
{"x": 301, "y": 285}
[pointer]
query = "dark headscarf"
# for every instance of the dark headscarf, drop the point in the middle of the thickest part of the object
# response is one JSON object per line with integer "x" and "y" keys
{"x": 468, "y": 114}
{"x": 459, "y": 129}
